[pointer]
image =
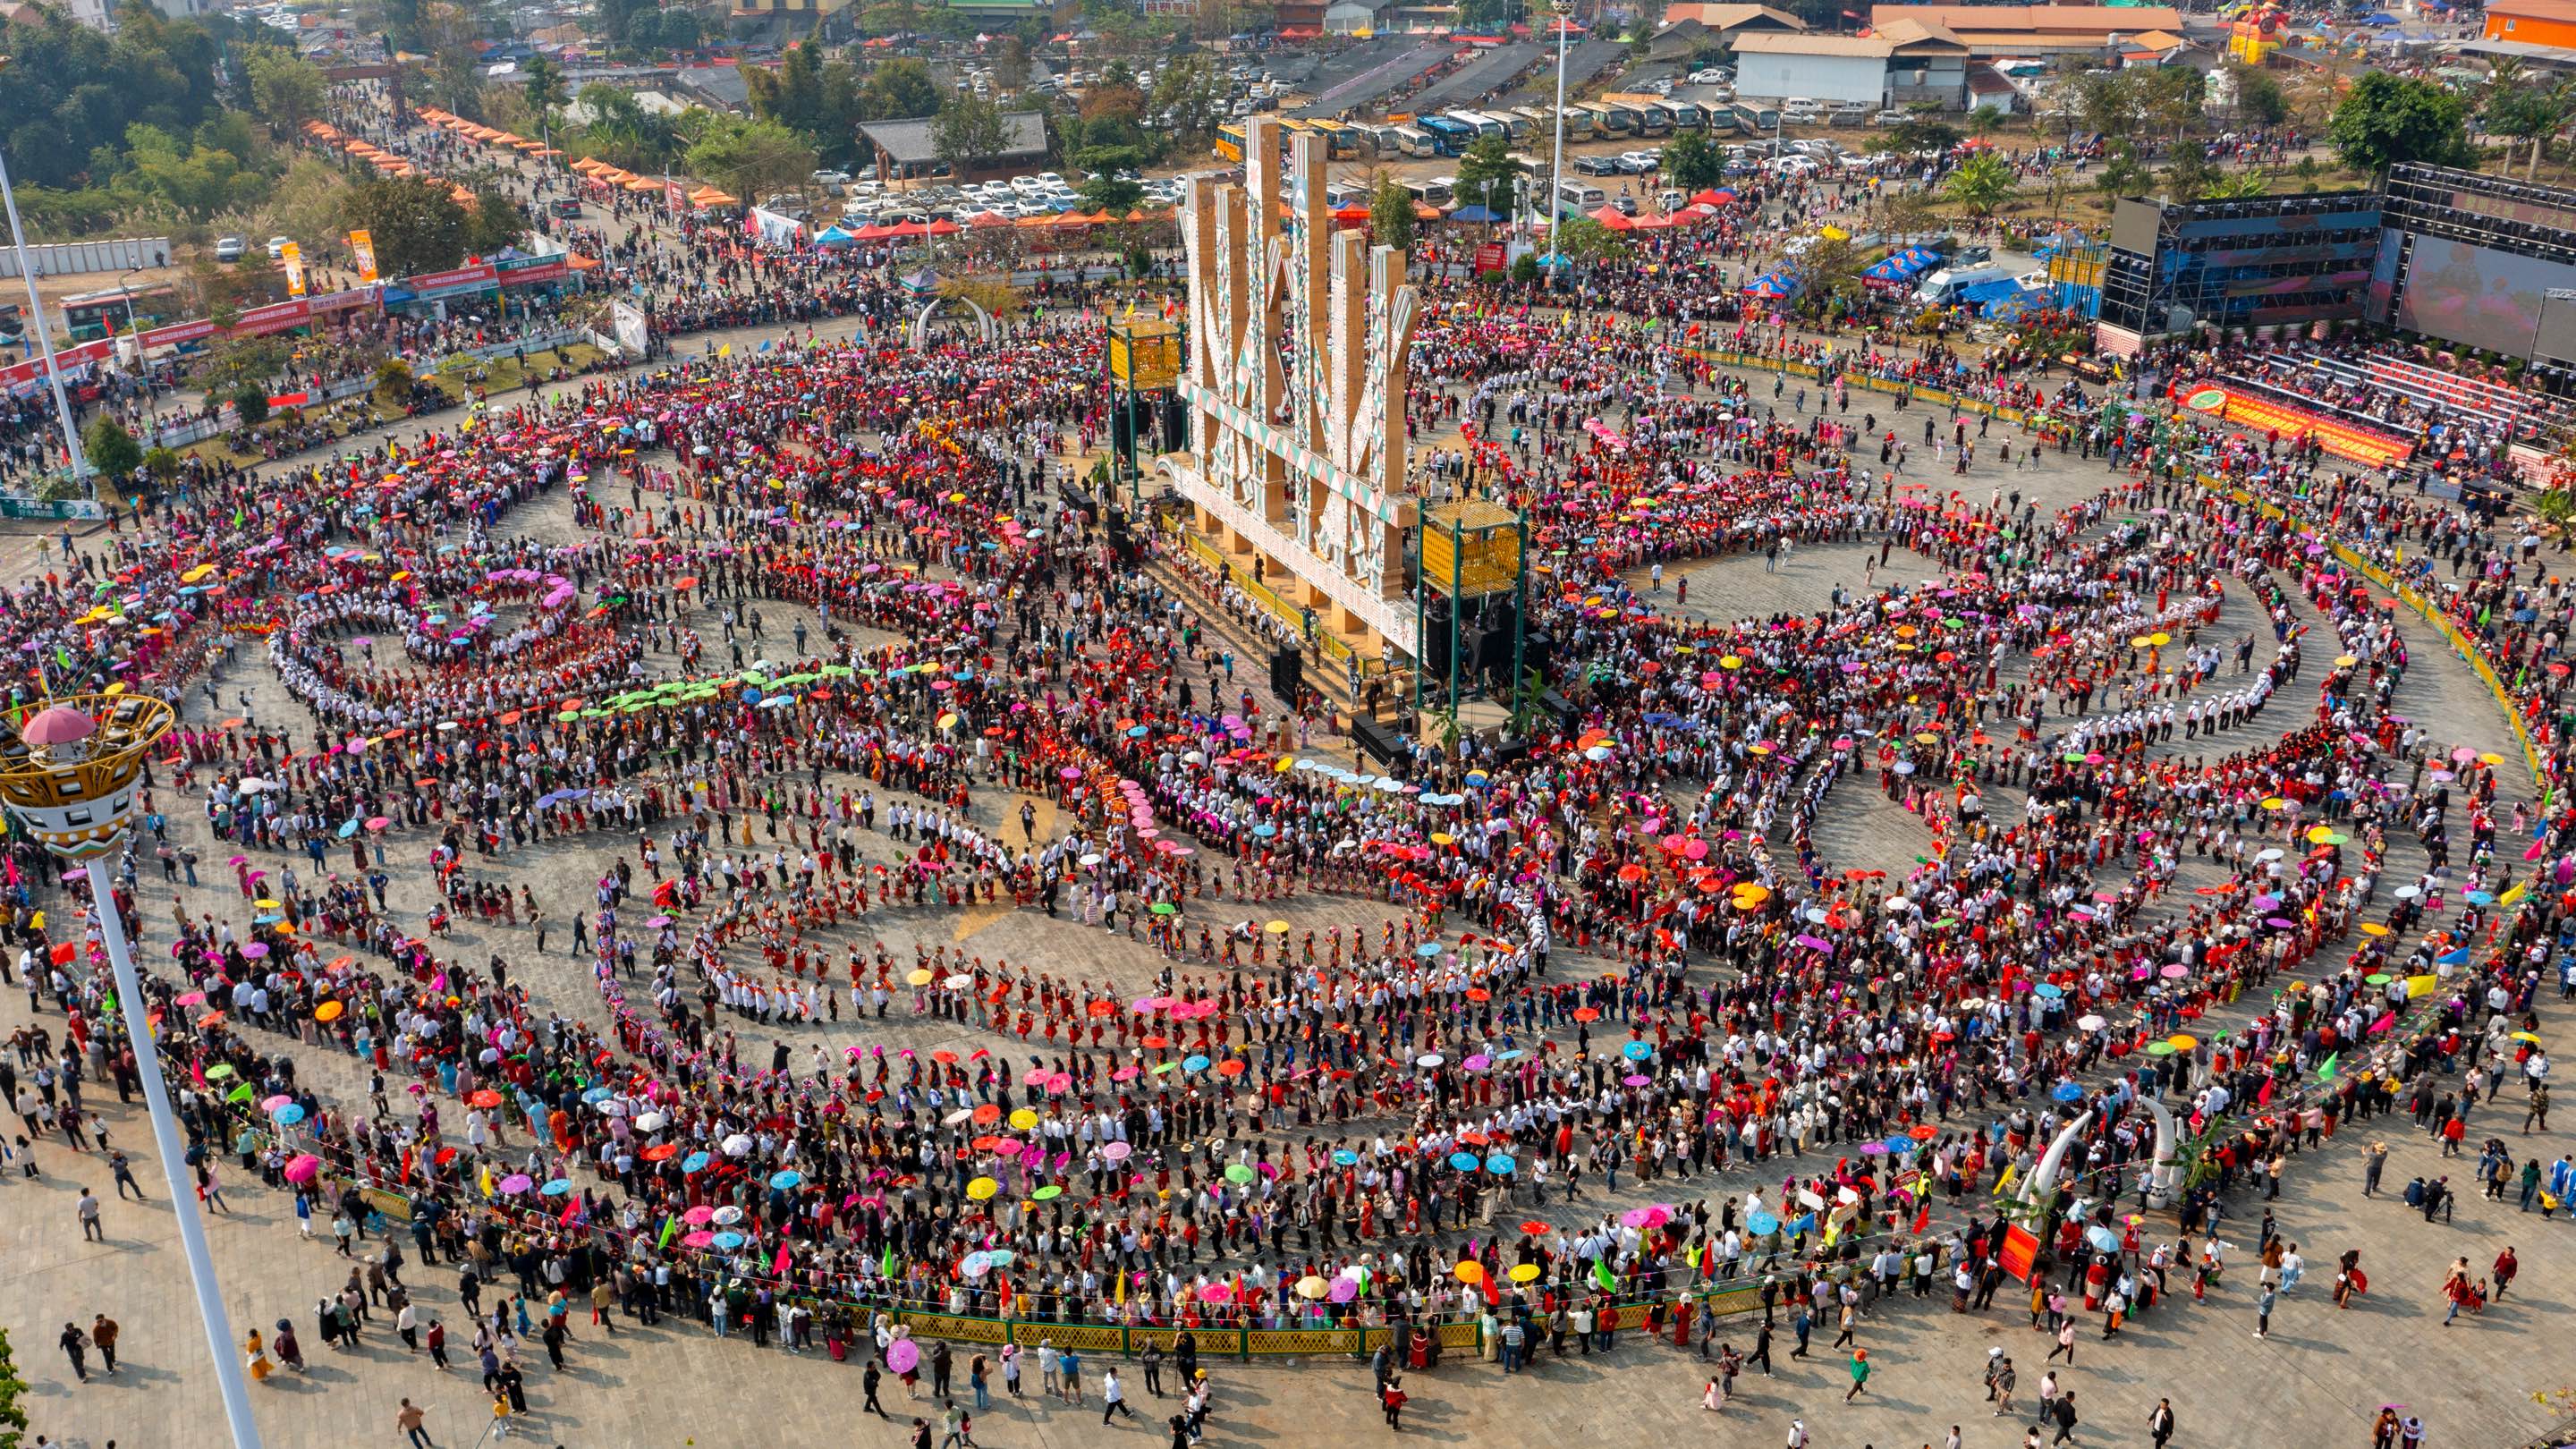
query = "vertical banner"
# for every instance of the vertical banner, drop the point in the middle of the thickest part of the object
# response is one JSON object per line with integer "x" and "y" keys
{"x": 293, "y": 256}
{"x": 362, "y": 245}
{"x": 676, "y": 194}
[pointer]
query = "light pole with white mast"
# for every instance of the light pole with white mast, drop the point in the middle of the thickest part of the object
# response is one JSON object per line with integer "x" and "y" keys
{"x": 69, "y": 768}
{"x": 1564, "y": 12}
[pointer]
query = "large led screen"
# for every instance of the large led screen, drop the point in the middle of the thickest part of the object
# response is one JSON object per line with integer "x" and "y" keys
{"x": 2477, "y": 296}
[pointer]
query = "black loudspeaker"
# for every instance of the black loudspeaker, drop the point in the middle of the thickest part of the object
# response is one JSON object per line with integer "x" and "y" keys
{"x": 1561, "y": 707}
{"x": 1176, "y": 424}
{"x": 1509, "y": 752}
{"x": 1377, "y": 741}
{"x": 1492, "y": 651}
{"x": 1287, "y": 674}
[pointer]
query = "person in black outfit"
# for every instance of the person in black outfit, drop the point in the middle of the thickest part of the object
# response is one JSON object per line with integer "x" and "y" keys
{"x": 869, "y": 1382}
{"x": 1762, "y": 1349}
{"x": 2065, "y": 1418}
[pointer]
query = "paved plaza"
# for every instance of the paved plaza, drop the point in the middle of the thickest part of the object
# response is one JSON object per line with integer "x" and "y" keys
{"x": 2317, "y": 1380}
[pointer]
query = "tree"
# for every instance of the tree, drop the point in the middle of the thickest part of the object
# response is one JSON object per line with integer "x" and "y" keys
{"x": 1191, "y": 94}
{"x": 617, "y": 17}
{"x": 1584, "y": 240}
{"x": 1831, "y": 267}
{"x": 899, "y": 90}
{"x": 751, "y": 158}
{"x": 2528, "y": 114}
{"x": 71, "y": 93}
{"x": 304, "y": 203}
{"x": 2385, "y": 119}
{"x": 1906, "y": 213}
{"x": 1985, "y": 120}
{"x": 1982, "y": 184}
{"x": 1103, "y": 191}
{"x": 1487, "y": 17}
{"x": 161, "y": 465}
{"x": 2122, "y": 173}
{"x": 1391, "y": 214}
{"x": 2259, "y": 98}
{"x": 1011, "y": 67}
{"x": 2109, "y": 102}
{"x": 545, "y": 86}
{"x": 1488, "y": 176}
{"x": 494, "y": 221}
{"x": 967, "y": 130}
{"x": 286, "y": 89}
{"x": 13, "y": 1420}
{"x": 2172, "y": 96}
{"x": 252, "y": 403}
{"x": 1692, "y": 163}
{"x": 2189, "y": 176}
{"x": 416, "y": 225}
{"x": 1923, "y": 133}
{"x": 621, "y": 131}
{"x": 111, "y": 449}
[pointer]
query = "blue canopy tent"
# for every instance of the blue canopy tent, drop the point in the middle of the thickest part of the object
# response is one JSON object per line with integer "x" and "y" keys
{"x": 1483, "y": 214}
{"x": 2027, "y": 299}
{"x": 833, "y": 236}
{"x": 1985, "y": 292}
{"x": 1772, "y": 284}
{"x": 2381, "y": 18}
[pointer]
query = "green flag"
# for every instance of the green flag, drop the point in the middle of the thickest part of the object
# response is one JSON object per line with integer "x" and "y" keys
{"x": 62, "y": 656}
{"x": 1602, "y": 1275}
{"x": 670, "y": 1225}
{"x": 2326, "y": 1069}
{"x": 885, "y": 1265}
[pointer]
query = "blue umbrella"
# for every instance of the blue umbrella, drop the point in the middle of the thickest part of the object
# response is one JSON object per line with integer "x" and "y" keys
{"x": 2103, "y": 1238}
{"x": 1501, "y": 1164}
{"x": 1194, "y": 1063}
{"x": 559, "y": 1187}
{"x": 1346, "y": 1158}
{"x": 2068, "y": 1092}
{"x": 1636, "y": 1051}
{"x": 1899, "y": 1145}
{"x": 695, "y": 1162}
{"x": 2048, "y": 989}
{"x": 785, "y": 1177}
{"x": 1762, "y": 1225}
{"x": 597, "y": 1094}
{"x": 1427, "y": 950}
{"x": 1265, "y": 830}
{"x": 728, "y": 1241}
{"x": 290, "y": 1114}
{"x": 348, "y": 828}
{"x": 1463, "y": 1161}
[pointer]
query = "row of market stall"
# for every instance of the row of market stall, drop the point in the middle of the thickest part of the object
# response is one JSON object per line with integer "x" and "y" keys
{"x": 323, "y": 134}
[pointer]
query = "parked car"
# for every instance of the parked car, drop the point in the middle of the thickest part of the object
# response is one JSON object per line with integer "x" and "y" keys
{"x": 232, "y": 248}
{"x": 1891, "y": 118}
{"x": 277, "y": 248}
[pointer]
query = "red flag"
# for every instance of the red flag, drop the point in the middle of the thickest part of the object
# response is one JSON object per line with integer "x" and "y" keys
{"x": 406, "y": 1166}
